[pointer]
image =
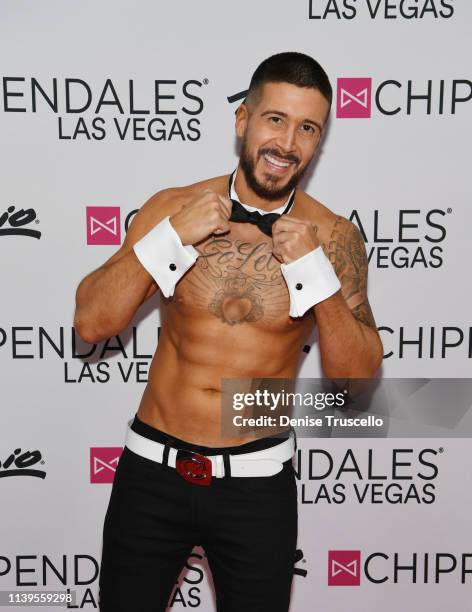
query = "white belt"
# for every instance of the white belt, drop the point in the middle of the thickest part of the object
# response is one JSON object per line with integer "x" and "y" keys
{"x": 266, "y": 462}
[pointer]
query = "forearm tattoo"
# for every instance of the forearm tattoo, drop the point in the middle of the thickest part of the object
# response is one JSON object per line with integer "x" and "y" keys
{"x": 346, "y": 251}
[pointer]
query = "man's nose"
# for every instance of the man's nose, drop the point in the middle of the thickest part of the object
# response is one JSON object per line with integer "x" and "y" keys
{"x": 286, "y": 140}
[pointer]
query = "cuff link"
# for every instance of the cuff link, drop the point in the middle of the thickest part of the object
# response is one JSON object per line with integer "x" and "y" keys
{"x": 172, "y": 266}
{"x": 299, "y": 286}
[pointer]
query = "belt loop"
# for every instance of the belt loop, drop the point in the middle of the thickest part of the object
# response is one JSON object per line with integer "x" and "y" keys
{"x": 294, "y": 436}
{"x": 227, "y": 464}
{"x": 165, "y": 455}
{"x": 167, "y": 445}
{"x": 217, "y": 466}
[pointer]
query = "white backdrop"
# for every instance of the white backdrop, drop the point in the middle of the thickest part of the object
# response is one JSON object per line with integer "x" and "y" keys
{"x": 403, "y": 177}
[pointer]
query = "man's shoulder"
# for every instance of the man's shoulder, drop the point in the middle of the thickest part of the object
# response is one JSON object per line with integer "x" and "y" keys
{"x": 340, "y": 238}
{"x": 329, "y": 223}
{"x": 172, "y": 198}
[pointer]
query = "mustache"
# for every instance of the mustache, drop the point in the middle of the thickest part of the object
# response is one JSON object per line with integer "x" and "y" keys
{"x": 275, "y": 153}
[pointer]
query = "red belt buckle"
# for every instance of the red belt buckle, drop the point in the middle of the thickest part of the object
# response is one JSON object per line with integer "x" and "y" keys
{"x": 193, "y": 467}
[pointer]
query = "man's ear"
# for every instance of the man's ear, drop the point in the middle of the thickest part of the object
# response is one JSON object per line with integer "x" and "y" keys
{"x": 242, "y": 116}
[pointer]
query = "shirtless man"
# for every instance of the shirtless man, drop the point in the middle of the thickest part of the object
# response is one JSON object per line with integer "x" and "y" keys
{"x": 239, "y": 301}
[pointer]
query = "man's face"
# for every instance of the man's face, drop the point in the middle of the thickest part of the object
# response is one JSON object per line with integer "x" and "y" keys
{"x": 280, "y": 135}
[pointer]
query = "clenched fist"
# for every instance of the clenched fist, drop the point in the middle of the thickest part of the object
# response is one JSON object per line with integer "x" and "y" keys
{"x": 207, "y": 213}
{"x": 292, "y": 238}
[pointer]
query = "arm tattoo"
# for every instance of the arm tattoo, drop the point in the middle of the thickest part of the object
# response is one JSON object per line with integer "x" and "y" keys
{"x": 363, "y": 313}
{"x": 346, "y": 251}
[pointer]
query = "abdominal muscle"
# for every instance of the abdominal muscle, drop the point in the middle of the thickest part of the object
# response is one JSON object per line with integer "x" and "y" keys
{"x": 228, "y": 318}
{"x": 184, "y": 393}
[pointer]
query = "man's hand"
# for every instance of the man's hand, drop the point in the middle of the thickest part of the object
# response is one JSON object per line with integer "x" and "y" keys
{"x": 207, "y": 213}
{"x": 292, "y": 238}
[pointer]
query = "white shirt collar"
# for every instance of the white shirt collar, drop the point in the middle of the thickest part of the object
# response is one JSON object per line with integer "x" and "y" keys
{"x": 234, "y": 196}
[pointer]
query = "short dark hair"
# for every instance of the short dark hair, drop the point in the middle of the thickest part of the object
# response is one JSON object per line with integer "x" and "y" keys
{"x": 290, "y": 67}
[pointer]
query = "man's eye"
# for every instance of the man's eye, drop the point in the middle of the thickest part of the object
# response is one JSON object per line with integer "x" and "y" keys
{"x": 275, "y": 119}
{"x": 306, "y": 127}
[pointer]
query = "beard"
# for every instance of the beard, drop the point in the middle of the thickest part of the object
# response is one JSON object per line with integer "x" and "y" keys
{"x": 269, "y": 190}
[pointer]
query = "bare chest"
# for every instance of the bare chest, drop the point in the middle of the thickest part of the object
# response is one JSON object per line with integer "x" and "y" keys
{"x": 237, "y": 280}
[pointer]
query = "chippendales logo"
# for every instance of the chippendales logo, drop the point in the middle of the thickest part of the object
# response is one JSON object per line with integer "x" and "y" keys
{"x": 15, "y": 222}
{"x": 161, "y": 110}
{"x": 404, "y": 476}
{"x": 73, "y": 574}
{"x": 22, "y": 463}
{"x": 405, "y": 238}
{"x": 381, "y": 9}
{"x": 345, "y": 567}
{"x": 125, "y": 357}
{"x": 412, "y": 341}
{"x": 103, "y": 224}
{"x": 358, "y": 96}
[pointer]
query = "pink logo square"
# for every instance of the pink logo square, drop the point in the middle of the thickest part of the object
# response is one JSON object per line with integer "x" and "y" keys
{"x": 103, "y": 462}
{"x": 353, "y": 100}
{"x": 103, "y": 225}
{"x": 344, "y": 567}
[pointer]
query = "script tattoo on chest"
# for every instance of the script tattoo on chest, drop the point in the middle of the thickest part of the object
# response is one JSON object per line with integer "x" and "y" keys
{"x": 238, "y": 281}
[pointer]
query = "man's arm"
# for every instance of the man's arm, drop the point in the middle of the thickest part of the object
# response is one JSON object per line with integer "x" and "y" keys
{"x": 108, "y": 297}
{"x": 335, "y": 281}
{"x": 156, "y": 252}
{"x": 350, "y": 345}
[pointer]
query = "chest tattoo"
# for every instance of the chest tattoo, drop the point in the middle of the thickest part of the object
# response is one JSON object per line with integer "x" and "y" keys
{"x": 238, "y": 281}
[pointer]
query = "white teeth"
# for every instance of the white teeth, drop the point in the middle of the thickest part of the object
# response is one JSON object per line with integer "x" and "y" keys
{"x": 276, "y": 162}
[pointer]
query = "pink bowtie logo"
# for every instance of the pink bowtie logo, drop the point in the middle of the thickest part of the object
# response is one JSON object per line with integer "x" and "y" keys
{"x": 103, "y": 463}
{"x": 344, "y": 567}
{"x": 103, "y": 225}
{"x": 353, "y": 99}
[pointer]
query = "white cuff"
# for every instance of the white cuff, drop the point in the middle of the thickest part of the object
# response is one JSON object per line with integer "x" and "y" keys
{"x": 310, "y": 279}
{"x": 164, "y": 256}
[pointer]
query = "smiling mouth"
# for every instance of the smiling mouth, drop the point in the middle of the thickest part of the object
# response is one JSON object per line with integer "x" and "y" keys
{"x": 276, "y": 164}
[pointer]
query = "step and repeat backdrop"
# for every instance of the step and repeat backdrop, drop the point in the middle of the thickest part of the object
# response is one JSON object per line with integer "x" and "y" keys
{"x": 102, "y": 105}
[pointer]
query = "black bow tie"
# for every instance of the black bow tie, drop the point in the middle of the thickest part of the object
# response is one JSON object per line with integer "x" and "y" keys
{"x": 239, "y": 214}
{"x": 263, "y": 222}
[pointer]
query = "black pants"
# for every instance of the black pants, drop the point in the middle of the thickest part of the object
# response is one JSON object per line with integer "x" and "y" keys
{"x": 246, "y": 525}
